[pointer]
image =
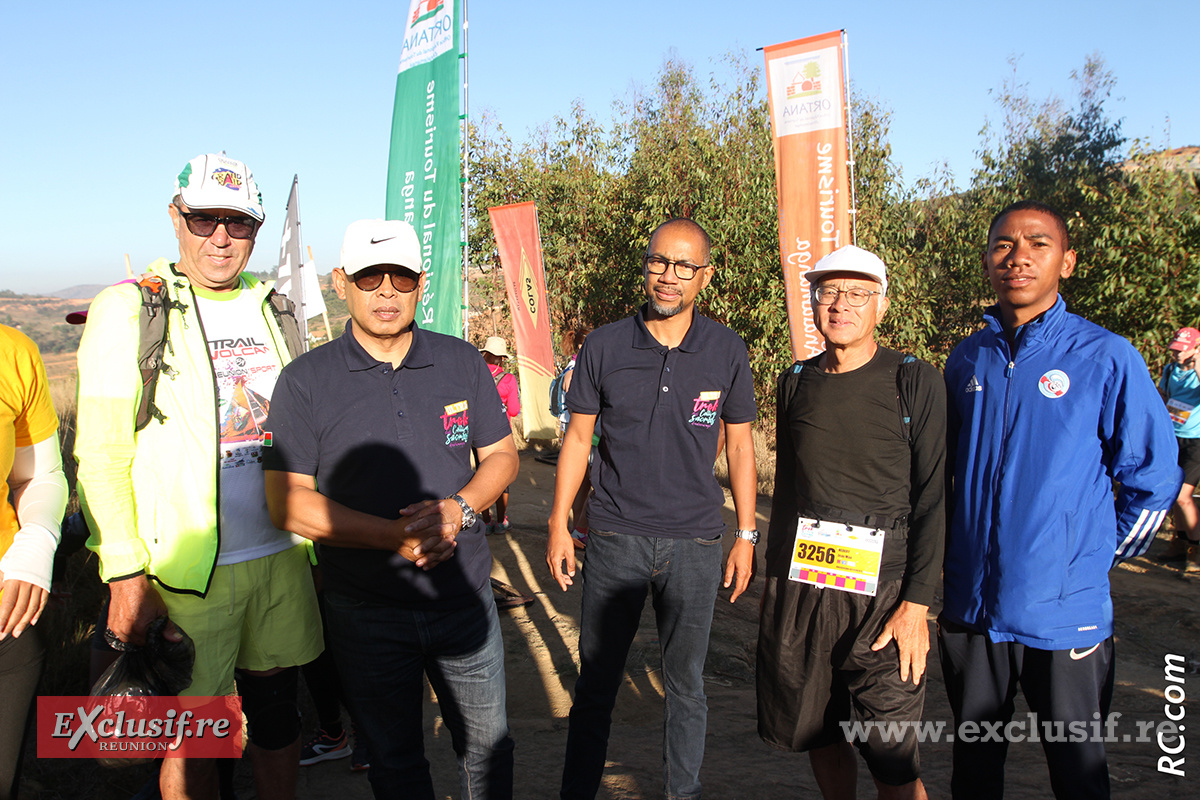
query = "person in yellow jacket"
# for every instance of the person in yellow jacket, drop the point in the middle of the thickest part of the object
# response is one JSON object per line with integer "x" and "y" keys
{"x": 176, "y": 508}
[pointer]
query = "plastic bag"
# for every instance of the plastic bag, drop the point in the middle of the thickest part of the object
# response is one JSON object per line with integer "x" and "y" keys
{"x": 160, "y": 668}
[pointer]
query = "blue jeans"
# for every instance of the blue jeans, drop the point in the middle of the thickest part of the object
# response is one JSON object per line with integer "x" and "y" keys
{"x": 383, "y": 650}
{"x": 617, "y": 572}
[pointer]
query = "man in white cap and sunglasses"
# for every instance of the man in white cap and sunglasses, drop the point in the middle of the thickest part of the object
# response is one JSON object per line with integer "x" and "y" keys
{"x": 372, "y": 437}
{"x": 169, "y": 473}
{"x": 854, "y": 548}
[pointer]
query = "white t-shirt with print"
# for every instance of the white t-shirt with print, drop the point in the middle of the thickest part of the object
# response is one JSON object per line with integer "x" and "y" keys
{"x": 246, "y": 366}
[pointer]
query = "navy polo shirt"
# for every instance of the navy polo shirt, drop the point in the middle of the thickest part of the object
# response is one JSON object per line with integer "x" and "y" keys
{"x": 378, "y": 439}
{"x": 660, "y": 408}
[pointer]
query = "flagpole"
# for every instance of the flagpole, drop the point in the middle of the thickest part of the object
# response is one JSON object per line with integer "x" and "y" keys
{"x": 850, "y": 141}
{"x": 299, "y": 279}
{"x": 466, "y": 174}
{"x": 324, "y": 310}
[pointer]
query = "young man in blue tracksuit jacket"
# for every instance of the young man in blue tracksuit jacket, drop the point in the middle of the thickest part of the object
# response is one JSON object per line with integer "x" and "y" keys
{"x": 1046, "y": 410}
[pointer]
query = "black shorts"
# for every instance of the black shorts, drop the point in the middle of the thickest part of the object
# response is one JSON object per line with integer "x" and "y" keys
{"x": 1189, "y": 459}
{"x": 816, "y": 671}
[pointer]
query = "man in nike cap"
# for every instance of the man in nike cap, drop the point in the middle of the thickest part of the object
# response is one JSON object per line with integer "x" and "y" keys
{"x": 371, "y": 459}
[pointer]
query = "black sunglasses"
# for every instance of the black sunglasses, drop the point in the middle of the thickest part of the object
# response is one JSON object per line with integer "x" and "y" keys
{"x": 370, "y": 279}
{"x": 206, "y": 225}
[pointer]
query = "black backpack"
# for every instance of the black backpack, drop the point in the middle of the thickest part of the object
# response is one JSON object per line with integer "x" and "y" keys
{"x": 558, "y": 395}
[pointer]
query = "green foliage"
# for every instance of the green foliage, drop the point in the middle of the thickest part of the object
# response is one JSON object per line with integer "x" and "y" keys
{"x": 686, "y": 148}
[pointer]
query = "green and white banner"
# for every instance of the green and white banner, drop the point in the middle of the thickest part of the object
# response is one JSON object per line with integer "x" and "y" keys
{"x": 424, "y": 166}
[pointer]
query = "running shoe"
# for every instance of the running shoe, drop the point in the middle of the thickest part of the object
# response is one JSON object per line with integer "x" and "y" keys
{"x": 360, "y": 759}
{"x": 324, "y": 747}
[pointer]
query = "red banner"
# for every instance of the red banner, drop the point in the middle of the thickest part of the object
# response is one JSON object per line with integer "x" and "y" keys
{"x": 806, "y": 91}
{"x": 124, "y": 730}
{"x": 519, "y": 241}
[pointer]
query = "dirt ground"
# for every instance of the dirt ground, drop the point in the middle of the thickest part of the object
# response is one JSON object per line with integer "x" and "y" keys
{"x": 1156, "y": 615}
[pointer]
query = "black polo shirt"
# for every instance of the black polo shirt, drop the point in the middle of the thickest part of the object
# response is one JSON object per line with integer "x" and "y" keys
{"x": 378, "y": 439}
{"x": 660, "y": 408}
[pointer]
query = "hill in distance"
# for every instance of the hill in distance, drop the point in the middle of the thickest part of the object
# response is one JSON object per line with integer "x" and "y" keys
{"x": 84, "y": 291}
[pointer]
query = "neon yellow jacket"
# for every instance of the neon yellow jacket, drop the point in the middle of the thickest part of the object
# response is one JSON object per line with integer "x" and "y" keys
{"x": 151, "y": 497}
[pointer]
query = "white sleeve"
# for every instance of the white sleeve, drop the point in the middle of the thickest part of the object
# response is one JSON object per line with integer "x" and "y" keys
{"x": 40, "y": 490}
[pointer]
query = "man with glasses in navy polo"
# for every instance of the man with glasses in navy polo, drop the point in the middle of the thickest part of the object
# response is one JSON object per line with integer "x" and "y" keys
{"x": 176, "y": 505}
{"x": 662, "y": 381}
{"x": 372, "y": 437}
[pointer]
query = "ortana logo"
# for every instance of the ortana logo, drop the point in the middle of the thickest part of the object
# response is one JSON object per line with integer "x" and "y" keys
{"x": 426, "y": 9}
{"x": 806, "y": 82}
{"x": 227, "y": 178}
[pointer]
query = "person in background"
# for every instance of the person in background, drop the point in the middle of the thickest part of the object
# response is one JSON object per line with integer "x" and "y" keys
{"x": 1180, "y": 388}
{"x": 572, "y": 342}
{"x": 33, "y": 496}
{"x": 495, "y": 352}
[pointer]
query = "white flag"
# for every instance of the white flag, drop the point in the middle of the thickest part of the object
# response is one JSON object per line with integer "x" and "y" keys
{"x": 314, "y": 303}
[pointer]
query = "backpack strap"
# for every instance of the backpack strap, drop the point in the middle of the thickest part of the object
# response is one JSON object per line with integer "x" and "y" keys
{"x": 152, "y": 345}
{"x": 788, "y": 382}
{"x": 906, "y": 379}
{"x": 285, "y": 316}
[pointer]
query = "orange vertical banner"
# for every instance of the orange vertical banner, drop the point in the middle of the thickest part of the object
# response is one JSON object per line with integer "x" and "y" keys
{"x": 520, "y": 244}
{"x": 807, "y": 95}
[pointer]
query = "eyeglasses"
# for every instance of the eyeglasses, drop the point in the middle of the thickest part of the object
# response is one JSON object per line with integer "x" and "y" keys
{"x": 657, "y": 265}
{"x": 856, "y": 298}
{"x": 370, "y": 279}
{"x": 206, "y": 225}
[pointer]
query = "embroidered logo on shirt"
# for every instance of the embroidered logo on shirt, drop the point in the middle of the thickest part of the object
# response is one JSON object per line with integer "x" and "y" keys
{"x": 456, "y": 422}
{"x": 973, "y": 385}
{"x": 704, "y": 409}
{"x": 1054, "y": 384}
{"x": 1077, "y": 655}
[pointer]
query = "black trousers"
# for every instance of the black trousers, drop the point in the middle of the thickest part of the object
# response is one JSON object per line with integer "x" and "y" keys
{"x": 20, "y": 667}
{"x": 1069, "y": 691}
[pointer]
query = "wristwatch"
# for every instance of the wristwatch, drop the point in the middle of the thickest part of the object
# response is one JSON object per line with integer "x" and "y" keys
{"x": 749, "y": 534}
{"x": 469, "y": 515}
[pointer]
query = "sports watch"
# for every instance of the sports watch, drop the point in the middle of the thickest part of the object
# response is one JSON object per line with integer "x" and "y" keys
{"x": 469, "y": 515}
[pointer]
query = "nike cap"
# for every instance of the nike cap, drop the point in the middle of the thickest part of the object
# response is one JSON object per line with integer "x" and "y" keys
{"x": 214, "y": 180}
{"x": 1185, "y": 339}
{"x": 376, "y": 242}
{"x": 850, "y": 259}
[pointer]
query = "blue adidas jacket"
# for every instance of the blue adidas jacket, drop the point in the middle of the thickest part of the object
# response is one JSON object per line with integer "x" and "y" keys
{"x": 1035, "y": 443}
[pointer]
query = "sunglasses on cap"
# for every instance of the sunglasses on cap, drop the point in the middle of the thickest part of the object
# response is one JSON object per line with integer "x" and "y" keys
{"x": 371, "y": 278}
{"x": 206, "y": 225}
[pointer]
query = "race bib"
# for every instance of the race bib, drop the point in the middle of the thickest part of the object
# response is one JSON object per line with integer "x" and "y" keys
{"x": 1179, "y": 411}
{"x": 835, "y": 555}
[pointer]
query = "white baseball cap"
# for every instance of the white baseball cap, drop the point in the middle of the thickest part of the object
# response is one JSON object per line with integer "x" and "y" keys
{"x": 214, "y": 180}
{"x": 496, "y": 346}
{"x": 371, "y": 242}
{"x": 850, "y": 259}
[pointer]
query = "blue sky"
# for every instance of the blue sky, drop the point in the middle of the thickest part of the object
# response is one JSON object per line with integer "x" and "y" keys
{"x": 104, "y": 103}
